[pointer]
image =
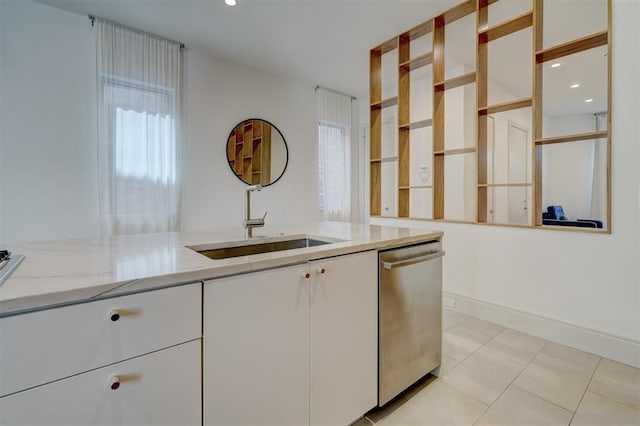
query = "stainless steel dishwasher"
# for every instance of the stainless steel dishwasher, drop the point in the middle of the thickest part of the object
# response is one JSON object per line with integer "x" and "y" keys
{"x": 410, "y": 316}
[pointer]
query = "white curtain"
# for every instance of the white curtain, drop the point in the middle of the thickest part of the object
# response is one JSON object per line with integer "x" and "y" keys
{"x": 139, "y": 112}
{"x": 334, "y": 154}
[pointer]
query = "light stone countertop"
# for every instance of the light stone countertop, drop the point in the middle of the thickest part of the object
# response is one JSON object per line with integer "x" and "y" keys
{"x": 73, "y": 271}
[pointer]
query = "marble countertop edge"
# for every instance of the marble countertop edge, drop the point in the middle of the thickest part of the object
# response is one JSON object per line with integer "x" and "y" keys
{"x": 42, "y": 285}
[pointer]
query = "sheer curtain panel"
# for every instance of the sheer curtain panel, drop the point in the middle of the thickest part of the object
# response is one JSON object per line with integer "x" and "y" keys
{"x": 139, "y": 112}
{"x": 334, "y": 154}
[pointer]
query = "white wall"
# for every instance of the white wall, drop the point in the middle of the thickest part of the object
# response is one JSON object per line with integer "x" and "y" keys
{"x": 592, "y": 281}
{"x": 48, "y": 174}
{"x": 218, "y": 95}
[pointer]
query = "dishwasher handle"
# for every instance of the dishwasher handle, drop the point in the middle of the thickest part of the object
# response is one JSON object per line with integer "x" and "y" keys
{"x": 412, "y": 260}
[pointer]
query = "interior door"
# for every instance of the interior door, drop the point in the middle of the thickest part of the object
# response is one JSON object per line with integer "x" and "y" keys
{"x": 518, "y": 173}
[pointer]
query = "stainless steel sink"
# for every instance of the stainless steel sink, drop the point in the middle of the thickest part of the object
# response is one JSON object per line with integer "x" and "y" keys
{"x": 246, "y": 248}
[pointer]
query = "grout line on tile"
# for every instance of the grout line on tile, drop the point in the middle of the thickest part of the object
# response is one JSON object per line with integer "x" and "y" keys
{"x": 546, "y": 400}
{"x": 514, "y": 379}
{"x": 466, "y": 394}
{"x": 585, "y": 390}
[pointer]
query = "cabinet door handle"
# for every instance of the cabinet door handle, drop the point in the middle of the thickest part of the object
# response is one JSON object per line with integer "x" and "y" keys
{"x": 304, "y": 274}
{"x": 114, "y": 315}
{"x": 320, "y": 270}
{"x": 114, "y": 382}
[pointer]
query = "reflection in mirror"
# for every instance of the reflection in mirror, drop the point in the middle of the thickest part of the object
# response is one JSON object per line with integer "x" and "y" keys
{"x": 257, "y": 152}
{"x": 504, "y": 10}
{"x": 460, "y": 187}
{"x": 574, "y": 89}
{"x": 566, "y": 20}
{"x": 509, "y": 70}
{"x": 460, "y": 47}
{"x": 575, "y": 177}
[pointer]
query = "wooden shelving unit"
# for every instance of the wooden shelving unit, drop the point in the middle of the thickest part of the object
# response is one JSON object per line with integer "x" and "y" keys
{"x": 436, "y": 59}
{"x": 249, "y": 152}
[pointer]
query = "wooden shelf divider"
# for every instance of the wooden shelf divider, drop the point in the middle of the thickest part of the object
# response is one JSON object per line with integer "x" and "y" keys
{"x": 417, "y": 124}
{"x": 500, "y": 185}
{"x": 601, "y": 134}
{"x": 467, "y": 150}
{"x": 509, "y": 27}
{"x": 418, "y": 62}
{"x": 506, "y": 106}
{"x": 576, "y": 46}
{"x": 458, "y": 81}
{"x": 458, "y": 11}
{"x": 436, "y": 59}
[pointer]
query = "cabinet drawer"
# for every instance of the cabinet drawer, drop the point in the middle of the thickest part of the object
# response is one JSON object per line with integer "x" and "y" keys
{"x": 49, "y": 345}
{"x": 161, "y": 388}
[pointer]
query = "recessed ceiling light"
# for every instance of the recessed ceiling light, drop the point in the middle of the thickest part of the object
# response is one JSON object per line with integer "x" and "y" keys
{"x": 588, "y": 100}
{"x": 230, "y": 2}
{"x": 575, "y": 85}
{"x": 556, "y": 65}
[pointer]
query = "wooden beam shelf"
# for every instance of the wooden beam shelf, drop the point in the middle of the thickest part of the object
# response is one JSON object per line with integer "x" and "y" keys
{"x": 417, "y": 124}
{"x": 416, "y": 187}
{"x": 418, "y": 62}
{"x": 419, "y": 30}
{"x": 602, "y": 134}
{"x": 575, "y": 46}
{"x": 454, "y": 82}
{"x": 501, "y": 185}
{"x": 386, "y": 103}
{"x": 509, "y": 27}
{"x": 456, "y": 151}
{"x": 387, "y": 46}
{"x": 506, "y": 106}
{"x": 458, "y": 11}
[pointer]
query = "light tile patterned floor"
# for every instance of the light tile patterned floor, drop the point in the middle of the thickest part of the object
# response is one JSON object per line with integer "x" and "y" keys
{"x": 496, "y": 376}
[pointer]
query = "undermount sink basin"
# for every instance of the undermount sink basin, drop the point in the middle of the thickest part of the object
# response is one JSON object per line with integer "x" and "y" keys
{"x": 246, "y": 248}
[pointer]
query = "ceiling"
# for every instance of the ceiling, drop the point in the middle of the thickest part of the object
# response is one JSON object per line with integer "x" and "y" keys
{"x": 327, "y": 42}
{"x": 323, "y": 42}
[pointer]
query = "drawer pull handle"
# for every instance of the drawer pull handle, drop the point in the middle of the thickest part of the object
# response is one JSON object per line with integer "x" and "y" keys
{"x": 114, "y": 315}
{"x": 320, "y": 270}
{"x": 114, "y": 382}
{"x": 305, "y": 275}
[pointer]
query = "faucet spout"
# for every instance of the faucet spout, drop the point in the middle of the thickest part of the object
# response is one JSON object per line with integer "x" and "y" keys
{"x": 249, "y": 223}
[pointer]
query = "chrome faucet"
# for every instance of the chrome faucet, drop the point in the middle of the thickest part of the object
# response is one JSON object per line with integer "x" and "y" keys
{"x": 249, "y": 223}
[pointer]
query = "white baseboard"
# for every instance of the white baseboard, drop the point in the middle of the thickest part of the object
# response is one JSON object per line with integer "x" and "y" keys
{"x": 602, "y": 344}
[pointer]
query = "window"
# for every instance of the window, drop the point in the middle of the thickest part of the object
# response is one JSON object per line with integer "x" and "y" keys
{"x": 334, "y": 171}
{"x": 138, "y": 103}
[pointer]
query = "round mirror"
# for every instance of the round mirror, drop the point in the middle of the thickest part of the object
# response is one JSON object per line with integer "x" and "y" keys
{"x": 257, "y": 152}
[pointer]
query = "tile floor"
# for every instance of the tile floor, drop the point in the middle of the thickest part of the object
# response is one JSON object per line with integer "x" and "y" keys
{"x": 493, "y": 375}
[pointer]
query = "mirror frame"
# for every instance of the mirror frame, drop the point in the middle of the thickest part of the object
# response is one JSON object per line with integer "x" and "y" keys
{"x": 286, "y": 150}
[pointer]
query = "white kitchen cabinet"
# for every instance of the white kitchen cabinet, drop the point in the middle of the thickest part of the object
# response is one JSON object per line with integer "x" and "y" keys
{"x": 292, "y": 346}
{"x": 344, "y": 338}
{"x": 160, "y": 388}
{"x": 256, "y": 349}
{"x": 49, "y": 345}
